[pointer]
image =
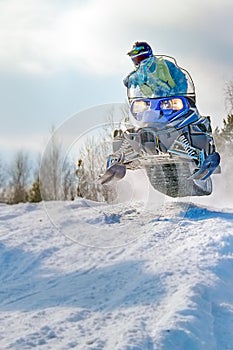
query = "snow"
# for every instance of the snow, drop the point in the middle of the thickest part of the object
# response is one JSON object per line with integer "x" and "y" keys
{"x": 137, "y": 279}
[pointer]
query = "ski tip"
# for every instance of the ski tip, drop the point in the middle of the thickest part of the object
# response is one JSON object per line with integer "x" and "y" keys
{"x": 115, "y": 173}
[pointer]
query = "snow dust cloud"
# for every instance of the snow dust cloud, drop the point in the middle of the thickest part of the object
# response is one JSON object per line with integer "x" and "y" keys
{"x": 222, "y": 195}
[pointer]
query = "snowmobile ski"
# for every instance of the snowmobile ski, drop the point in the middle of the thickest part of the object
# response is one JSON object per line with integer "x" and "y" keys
{"x": 115, "y": 172}
{"x": 208, "y": 167}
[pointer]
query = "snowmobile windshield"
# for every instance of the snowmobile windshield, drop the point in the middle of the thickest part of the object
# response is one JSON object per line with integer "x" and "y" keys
{"x": 160, "y": 76}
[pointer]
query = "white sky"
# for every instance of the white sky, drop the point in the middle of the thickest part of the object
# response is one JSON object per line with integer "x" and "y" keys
{"x": 60, "y": 57}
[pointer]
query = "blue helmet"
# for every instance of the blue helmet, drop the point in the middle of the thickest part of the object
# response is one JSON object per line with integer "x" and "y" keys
{"x": 140, "y": 51}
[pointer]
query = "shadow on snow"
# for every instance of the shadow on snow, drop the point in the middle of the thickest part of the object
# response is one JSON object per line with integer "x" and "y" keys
{"x": 194, "y": 212}
{"x": 26, "y": 285}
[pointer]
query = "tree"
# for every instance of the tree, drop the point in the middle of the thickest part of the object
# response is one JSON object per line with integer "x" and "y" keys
{"x": 229, "y": 96}
{"x": 3, "y": 181}
{"x": 34, "y": 194}
{"x": 19, "y": 177}
{"x": 224, "y": 136}
{"x": 56, "y": 174}
{"x": 50, "y": 169}
{"x": 92, "y": 163}
{"x": 227, "y": 130}
{"x": 69, "y": 180}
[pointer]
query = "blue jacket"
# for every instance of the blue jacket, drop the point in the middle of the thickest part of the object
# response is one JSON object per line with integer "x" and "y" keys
{"x": 158, "y": 77}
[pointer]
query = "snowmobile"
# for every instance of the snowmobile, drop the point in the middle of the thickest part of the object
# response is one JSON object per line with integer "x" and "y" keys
{"x": 165, "y": 135}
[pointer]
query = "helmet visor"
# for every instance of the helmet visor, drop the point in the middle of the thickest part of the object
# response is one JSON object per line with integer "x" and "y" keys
{"x": 136, "y": 50}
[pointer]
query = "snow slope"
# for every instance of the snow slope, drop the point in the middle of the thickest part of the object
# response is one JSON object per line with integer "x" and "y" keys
{"x": 136, "y": 281}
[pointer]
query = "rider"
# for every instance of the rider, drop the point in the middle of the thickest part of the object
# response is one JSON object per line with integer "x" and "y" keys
{"x": 155, "y": 76}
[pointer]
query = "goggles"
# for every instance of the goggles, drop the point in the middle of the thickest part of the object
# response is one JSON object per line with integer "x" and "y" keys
{"x": 136, "y": 50}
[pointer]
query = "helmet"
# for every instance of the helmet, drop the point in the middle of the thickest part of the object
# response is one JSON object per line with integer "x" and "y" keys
{"x": 140, "y": 51}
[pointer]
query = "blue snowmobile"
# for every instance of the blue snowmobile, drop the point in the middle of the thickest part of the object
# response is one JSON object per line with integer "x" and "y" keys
{"x": 165, "y": 134}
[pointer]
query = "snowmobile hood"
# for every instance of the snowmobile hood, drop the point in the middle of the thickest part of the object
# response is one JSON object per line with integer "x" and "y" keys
{"x": 150, "y": 118}
{"x": 162, "y": 111}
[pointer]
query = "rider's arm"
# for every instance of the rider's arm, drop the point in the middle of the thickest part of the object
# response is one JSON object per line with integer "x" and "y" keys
{"x": 130, "y": 80}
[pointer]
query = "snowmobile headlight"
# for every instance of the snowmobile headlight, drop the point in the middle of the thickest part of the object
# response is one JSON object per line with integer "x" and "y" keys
{"x": 175, "y": 104}
{"x": 139, "y": 107}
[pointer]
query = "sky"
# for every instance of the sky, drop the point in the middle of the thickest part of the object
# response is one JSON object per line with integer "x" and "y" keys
{"x": 61, "y": 57}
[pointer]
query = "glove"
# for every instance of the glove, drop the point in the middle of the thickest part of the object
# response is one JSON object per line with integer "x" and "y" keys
{"x": 130, "y": 80}
{"x": 126, "y": 81}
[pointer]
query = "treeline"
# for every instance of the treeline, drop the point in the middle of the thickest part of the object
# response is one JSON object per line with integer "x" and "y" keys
{"x": 59, "y": 174}
{"x": 56, "y": 175}
{"x": 20, "y": 180}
